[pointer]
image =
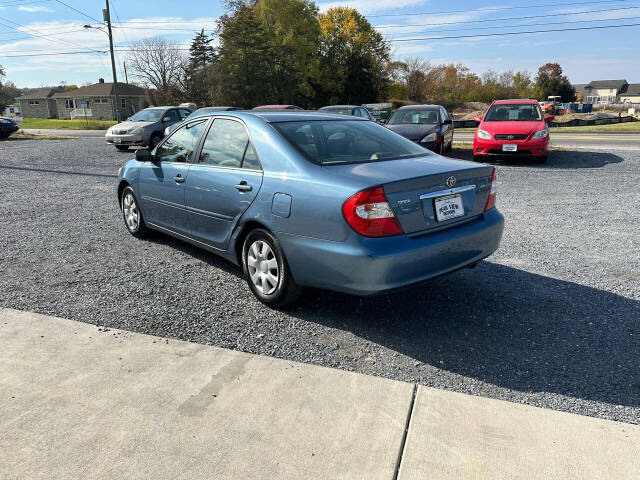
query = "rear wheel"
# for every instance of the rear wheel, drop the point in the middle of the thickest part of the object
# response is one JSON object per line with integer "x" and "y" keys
{"x": 122, "y": 148}
{"x": 267, "y": 271}
{"x": 132, "y": 214}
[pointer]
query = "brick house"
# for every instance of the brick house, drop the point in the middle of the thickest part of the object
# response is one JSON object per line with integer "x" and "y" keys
{"x": 38, "y": 104}
{"x": 98, "y": 101}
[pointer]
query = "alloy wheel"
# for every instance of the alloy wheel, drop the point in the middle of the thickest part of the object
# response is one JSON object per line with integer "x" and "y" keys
{"x": 131, "y": 212}
{"x": 263, "y": 267}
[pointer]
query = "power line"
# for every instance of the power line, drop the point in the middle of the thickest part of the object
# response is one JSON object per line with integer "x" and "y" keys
{"x": 528, "y": 17}
{"x": 78, "y": 11}
{"x": 492, "y": 9}
{"x": 501, "y": 34}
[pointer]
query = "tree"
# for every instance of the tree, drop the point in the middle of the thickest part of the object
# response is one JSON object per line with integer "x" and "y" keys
{"x": 293, "y": 36}
{"x": 245, "y": 58}
{"x": 550, "y": 81}
{"x": 353, "y": 58}
{"x": 202, "y": 55}
{"x": 161, "y": 64}
{"x": 8, "y": 91}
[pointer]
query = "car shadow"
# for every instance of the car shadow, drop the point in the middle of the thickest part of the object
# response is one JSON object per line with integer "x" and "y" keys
{"x": 556, "y": 159}
{"x": 504, "y": 326}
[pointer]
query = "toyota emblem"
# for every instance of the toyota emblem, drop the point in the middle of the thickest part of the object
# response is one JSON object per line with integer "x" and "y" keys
{"x": 510, "y": 137}
{"x": 451, "y": 181}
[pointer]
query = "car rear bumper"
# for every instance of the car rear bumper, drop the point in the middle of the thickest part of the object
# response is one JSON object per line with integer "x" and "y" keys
{"x": 372, "y": 266}
{"x": 534, "y": 148}
{"x": 127, "y": 139}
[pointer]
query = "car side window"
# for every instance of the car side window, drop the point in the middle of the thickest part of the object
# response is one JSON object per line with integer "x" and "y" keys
{"x": 250, "y": 160}
{"x": 181, "y": 144}
{"x": 225, "y": 144}
{"x": 173, "y": 115}
{"x": 184, "y": 113}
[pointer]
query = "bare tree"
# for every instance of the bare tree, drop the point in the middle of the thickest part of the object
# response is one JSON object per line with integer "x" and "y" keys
{"x": 160, "y": 64}
{"x": 415, "y": 72}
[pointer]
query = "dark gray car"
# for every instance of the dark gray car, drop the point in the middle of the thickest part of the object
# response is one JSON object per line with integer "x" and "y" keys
{"x": 352, "y": 110}
{"x": 145, "y": 128}
{"x": 428, "y": 125}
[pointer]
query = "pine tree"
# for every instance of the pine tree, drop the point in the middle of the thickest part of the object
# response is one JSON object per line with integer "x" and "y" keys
{"x": 201, "y": 57}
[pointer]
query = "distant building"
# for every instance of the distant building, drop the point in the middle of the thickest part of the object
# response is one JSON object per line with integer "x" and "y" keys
{"x": 603, "y": 91}
{"x": 12, "y": 111}
{"x": 98, "y": 101}
{"x": 630, "y": 93}
{"x": 38, "y": 104}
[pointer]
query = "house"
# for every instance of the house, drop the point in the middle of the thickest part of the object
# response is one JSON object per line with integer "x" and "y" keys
{"x": 98, "y": 101}
{"x": 12, "y": 111}
{"x": 630, "y": 93}
{"x": 38, "y": 104}
{"x": 603, "y": 91}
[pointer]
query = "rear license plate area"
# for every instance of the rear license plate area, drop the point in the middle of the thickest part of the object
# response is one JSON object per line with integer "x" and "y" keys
{"x": 448, "y": 207}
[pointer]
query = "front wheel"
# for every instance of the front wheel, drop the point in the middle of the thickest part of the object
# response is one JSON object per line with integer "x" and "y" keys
{"x": 267, "y": 271}
{"x": 154, "y": 140}
{"x": 478, "y": 158}
{"x": 132, "y": 214}
{"x": 122, "y": 148}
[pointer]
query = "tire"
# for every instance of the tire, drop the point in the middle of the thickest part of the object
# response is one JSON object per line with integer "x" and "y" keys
{"x": 132, "y": 215}
{"x": 542, "y": 159}
{"x": 122, "y": 148}
{"x": 449, "y": 147}
{"x": 267, "y": 271}
{"x": 154, "y": 140}
{"x": 478, "y": 158}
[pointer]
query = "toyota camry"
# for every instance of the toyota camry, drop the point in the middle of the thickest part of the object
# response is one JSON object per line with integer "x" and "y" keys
{"x": 301, "y": 199}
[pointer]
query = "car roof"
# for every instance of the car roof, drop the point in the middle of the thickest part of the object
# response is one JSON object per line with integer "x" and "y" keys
{"x": 516, "y": 100}
{"x": 287, "y": 116}
{"x": 340, "y": 106}
{"x": 420, "y": 107}
{"x": 278, "y": 107}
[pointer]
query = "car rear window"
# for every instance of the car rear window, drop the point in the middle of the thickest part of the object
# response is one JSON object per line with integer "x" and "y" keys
{"x": 329, "y": 142}
{"x": 513, "y": 112}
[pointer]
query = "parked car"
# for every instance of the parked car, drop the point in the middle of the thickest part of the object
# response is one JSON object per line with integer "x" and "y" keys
{"x": 513, "y": 128}
{"x": 7, "y": 127}
{"x": 352, "y": 110}
{"x": 428, "y": 125}
{"x": 145, "y": 128}
{"x": 308, "y": 199}
{"x": 200, "y": 113}
{"x": 276, "y": 108}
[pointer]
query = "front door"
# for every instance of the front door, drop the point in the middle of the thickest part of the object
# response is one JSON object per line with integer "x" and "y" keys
{"x": 162, "y": 182}
{"x": 222, "y": 184}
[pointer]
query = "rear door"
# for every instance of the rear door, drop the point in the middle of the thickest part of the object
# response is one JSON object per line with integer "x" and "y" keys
{"x": 161, "y": 183}
{"x": 223, "y": 183}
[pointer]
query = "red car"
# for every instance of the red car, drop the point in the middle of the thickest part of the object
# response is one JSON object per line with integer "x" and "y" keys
{"x": 514, "y": 128}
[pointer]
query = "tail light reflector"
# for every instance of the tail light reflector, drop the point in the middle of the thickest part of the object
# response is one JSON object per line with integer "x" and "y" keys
{"x": 493, "y": 192}
{"x": 369, "y": 213}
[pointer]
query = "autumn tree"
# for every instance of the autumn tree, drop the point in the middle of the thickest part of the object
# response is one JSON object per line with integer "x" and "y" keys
{"x": 550, "y": 81}
{"x": 353, "y": 58}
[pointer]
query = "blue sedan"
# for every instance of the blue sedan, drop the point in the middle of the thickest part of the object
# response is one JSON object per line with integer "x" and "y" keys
{"x": 309, "y": 199}
{"x": 7, "y": 127}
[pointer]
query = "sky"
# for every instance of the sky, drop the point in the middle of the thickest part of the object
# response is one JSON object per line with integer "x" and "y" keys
{"x": 43, "y": 42}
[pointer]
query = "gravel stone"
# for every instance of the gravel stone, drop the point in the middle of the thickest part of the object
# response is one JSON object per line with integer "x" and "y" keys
{"x": 552, "y": 319}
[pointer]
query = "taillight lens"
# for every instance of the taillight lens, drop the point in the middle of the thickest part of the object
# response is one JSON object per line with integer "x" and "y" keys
{"x": 493, "y": 192}
{"x": 370, "y": 214}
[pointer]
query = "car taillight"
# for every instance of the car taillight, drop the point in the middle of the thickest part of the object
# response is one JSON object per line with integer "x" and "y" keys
{"x": 370, "y": 214}
{"x": 493, "y": 192}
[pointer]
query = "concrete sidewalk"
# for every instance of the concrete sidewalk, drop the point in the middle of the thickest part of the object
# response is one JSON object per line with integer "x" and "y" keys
{"x": 65, "y": 132}
{"x": 77, "y": 401}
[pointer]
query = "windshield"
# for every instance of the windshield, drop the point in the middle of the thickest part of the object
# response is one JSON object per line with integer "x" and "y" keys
{"x": 330, "y": 142}
{"x": 338, "y": 110}
{"x": 513, "y": 112}
{"x": 147, "y": 115}
{"x": 414, "y": 117}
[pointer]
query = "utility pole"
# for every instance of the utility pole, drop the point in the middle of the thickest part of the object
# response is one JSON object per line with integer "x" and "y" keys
{"x": 106, "y": 15}
{"x": 126, "y": 77}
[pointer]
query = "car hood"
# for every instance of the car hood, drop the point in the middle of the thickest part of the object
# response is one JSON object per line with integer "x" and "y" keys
{"x": 512, "y": 127}
{"x": 126, "y": 126}
{"x": 412, "y": 131}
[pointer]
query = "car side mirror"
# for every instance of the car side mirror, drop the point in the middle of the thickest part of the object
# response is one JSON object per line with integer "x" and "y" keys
{"x": 549, "y": 118}
{"x": 448, "y": 121}
{"x": 166, "y": 119}
{"x": 144, "y": 155}
{"x": 382, "y": 121}
{"x": 478, "y": 120}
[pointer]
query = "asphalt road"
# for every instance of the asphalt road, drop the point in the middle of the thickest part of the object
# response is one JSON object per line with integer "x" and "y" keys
{"x": 582, "y": 141}
{"x": 552, "y": 319}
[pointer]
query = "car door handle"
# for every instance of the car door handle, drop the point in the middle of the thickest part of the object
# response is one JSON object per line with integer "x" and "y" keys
{"x": 244, "y": 187}
{"x": 179, "y": 178}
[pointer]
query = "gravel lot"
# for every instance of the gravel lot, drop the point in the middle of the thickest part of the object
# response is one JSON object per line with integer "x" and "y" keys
{"x": 553, "y": 319}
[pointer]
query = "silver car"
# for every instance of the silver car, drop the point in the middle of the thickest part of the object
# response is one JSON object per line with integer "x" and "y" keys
{"x": 145, "y": 128}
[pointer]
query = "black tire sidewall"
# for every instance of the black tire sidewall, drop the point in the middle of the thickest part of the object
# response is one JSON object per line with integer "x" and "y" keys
{"x": 287, "y": 288}
{"x": 157, "y": 138}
